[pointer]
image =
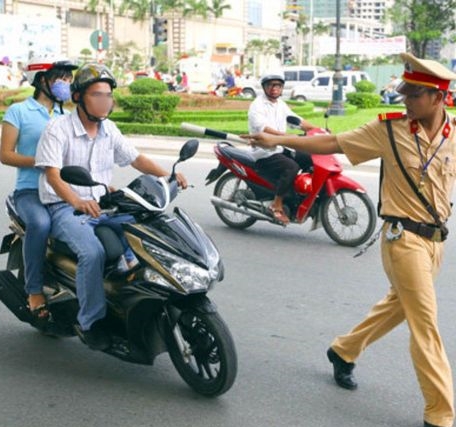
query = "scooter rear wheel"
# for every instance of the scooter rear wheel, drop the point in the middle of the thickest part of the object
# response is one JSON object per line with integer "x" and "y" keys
{"x": 230, "y": 188}
{"x": 210, "y": 363}
{"x": 349, "y": 217}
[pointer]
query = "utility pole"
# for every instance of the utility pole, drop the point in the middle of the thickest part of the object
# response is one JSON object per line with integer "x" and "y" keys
{"x": 337, "y": 105}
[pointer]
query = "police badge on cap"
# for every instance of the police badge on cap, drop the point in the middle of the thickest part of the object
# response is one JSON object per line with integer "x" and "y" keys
{"x": 424, "y": 73}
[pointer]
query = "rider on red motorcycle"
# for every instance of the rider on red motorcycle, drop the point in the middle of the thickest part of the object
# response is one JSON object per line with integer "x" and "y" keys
{"x": 268, "y": 113}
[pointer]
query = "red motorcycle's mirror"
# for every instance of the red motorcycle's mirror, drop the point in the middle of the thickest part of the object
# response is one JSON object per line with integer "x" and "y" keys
{"x": 294, "y": 121}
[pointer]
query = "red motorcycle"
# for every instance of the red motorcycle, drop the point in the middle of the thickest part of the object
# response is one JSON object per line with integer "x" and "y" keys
{"x": 242, "y": 195}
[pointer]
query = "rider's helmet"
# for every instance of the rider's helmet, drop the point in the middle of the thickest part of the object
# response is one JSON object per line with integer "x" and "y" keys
{"x": 39, "y": 65}
{"x": 86, "y": 76}
{"x": 92, "y": 73}
{"x": 272, "y": 75}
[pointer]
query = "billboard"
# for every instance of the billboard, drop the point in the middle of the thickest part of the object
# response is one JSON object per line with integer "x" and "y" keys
{"x": 24, "y": 36}
{"x": 362, "y": 46}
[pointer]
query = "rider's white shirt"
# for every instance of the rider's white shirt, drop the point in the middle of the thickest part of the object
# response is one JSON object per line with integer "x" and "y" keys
{"x": 65, "y": 142}
{"x": 264, "y": 113}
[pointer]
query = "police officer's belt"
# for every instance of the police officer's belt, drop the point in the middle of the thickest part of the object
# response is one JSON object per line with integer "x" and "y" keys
{"x": 429, "y": 231}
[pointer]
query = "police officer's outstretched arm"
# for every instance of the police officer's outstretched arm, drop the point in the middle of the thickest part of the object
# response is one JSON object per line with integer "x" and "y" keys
{"x": 319, "y": 144}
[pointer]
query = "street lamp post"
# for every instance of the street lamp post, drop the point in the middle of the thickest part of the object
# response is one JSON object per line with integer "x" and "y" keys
{"x": 337, "y": 105}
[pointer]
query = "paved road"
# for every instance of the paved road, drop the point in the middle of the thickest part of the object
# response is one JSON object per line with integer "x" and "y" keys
{"x": 286, "y": 294}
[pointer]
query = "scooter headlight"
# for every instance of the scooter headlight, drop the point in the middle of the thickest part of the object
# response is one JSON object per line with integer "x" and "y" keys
{"x": 190, "y": 276}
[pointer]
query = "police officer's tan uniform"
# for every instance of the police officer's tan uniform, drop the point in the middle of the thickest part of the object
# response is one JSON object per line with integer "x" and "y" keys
{"x": 411, "y": 262}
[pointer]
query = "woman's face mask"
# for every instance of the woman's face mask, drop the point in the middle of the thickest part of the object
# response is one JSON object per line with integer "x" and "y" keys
{"x": 61, "y": 90}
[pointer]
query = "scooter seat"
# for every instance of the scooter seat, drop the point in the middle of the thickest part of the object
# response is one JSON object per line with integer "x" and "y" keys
{"x": 241, "y": 156}
{"x": 109, "y": 239}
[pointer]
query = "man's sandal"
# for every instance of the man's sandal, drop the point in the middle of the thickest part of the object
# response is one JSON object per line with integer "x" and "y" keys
{"x": 280, "y": 215}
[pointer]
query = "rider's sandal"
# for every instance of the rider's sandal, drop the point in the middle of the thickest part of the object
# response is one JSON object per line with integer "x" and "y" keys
{"x": 41, "y": 311}
{"x": 280, "y": 215}
{"x": 40, "y": 316}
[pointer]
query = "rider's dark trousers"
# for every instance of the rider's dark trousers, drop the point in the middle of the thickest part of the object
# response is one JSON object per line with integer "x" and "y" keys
{"x": 282, "y": 168}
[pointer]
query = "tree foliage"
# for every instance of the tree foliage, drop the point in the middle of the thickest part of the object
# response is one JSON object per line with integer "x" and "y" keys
{"x": 422, "y": 21}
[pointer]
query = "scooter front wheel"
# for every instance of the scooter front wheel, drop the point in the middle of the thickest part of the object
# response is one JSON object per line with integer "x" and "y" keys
{"x": 206, "y": 357}
{"x": 348, "y": 217}
{"x": 230, "y": 188}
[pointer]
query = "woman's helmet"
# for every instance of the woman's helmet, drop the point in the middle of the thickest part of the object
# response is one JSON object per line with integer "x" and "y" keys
{"x": 41, "y": 64}
{"x": 92, "y": 73}
{"x": 272, "y": 75}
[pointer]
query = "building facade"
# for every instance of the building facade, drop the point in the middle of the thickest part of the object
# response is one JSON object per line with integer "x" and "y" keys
{"x": 226, "y": 35}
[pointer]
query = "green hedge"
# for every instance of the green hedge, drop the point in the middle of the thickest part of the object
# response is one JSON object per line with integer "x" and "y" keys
{"x": 147, "y": 86}
{"x": 365, "y": 86}
{"x": 364, "y": 99}
{"x": 149, "y": 108}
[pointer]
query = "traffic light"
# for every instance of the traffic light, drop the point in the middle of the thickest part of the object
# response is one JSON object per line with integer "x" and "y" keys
{"x": 287, "y": 55}
{"x": 160, "y": 30}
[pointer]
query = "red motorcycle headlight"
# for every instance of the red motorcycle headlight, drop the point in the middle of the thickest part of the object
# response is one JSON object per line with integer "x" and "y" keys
{"x": 303, "y": 183}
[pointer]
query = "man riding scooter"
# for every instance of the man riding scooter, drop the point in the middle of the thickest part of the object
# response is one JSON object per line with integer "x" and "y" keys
{"x": 89, "y": 139}
{"x": 268, "y": 113}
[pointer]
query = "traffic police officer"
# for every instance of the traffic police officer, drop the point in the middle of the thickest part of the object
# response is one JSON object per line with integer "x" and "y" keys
{"x": 412, "y": 236}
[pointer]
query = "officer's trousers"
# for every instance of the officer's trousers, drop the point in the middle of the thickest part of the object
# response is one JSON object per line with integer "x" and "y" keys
{"x": 411, "y": 264}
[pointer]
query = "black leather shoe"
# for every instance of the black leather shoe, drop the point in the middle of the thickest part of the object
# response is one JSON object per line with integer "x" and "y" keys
{"x": 343, "y": 371}
{"x": 426, "y": 424}
{"x": 96, "y": 337}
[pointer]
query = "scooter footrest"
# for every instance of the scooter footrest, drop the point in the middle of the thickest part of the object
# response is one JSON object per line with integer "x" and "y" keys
{"x": 13, "y": 296}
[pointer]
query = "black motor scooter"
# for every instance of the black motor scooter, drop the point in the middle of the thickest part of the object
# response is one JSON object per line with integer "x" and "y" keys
{"x": 158, "y": 306}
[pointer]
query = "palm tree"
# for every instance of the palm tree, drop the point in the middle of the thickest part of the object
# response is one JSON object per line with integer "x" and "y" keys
{"x": 195, "y": 8}
{"x": 217, "y": 8}
{"x": 271, "y": 49}
{"x": 254, "y": 47}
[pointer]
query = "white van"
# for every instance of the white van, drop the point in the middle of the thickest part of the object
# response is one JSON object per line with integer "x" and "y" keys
{"x": 321, "y": 87}
{"x": 294, "y": 74}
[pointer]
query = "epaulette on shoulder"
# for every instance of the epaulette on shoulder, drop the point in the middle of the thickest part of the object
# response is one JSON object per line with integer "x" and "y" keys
{"x": 394, "y": 115}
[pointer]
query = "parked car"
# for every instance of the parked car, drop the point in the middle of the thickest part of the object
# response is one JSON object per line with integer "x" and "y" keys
{"x": 321, "y": 87}
{"x": 294, "y": 74}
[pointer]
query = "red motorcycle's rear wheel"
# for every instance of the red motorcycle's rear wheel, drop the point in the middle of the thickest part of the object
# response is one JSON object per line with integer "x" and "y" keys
{"x": 232, "y": 189}
{"x": 348, "y": 217}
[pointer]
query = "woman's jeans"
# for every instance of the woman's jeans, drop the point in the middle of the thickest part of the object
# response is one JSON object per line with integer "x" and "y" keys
{"x": 38, "y": 226}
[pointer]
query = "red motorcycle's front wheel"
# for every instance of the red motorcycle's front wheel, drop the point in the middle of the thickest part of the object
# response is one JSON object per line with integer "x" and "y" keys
{"x": 232, "y": 189}
{"x": 348, "y": 217}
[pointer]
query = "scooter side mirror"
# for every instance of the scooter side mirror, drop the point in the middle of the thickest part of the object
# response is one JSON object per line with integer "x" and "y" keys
{"x": 188, "y": 150}
{"x": 77, "y": 175}
{"x": 294, "y": 121}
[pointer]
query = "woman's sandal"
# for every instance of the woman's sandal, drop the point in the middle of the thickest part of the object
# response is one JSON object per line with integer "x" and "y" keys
{"x": 280, "y": 215}
{"x": 41, "y": 311}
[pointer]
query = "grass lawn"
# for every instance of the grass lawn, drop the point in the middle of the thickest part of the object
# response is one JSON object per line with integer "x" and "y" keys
{"x": 351, "y": 121}
{"x": 336, "y": 124}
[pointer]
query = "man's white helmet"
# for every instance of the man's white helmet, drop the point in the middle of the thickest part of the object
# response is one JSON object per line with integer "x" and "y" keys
{"x": 41, "y": 64}
{"x": 272, "y": 75}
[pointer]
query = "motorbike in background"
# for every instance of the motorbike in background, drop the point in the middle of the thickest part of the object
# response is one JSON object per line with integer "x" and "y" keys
{"x": 161, "y": 304}
{"x": 242, "y": 195}
{"x": 396, "y": 99}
